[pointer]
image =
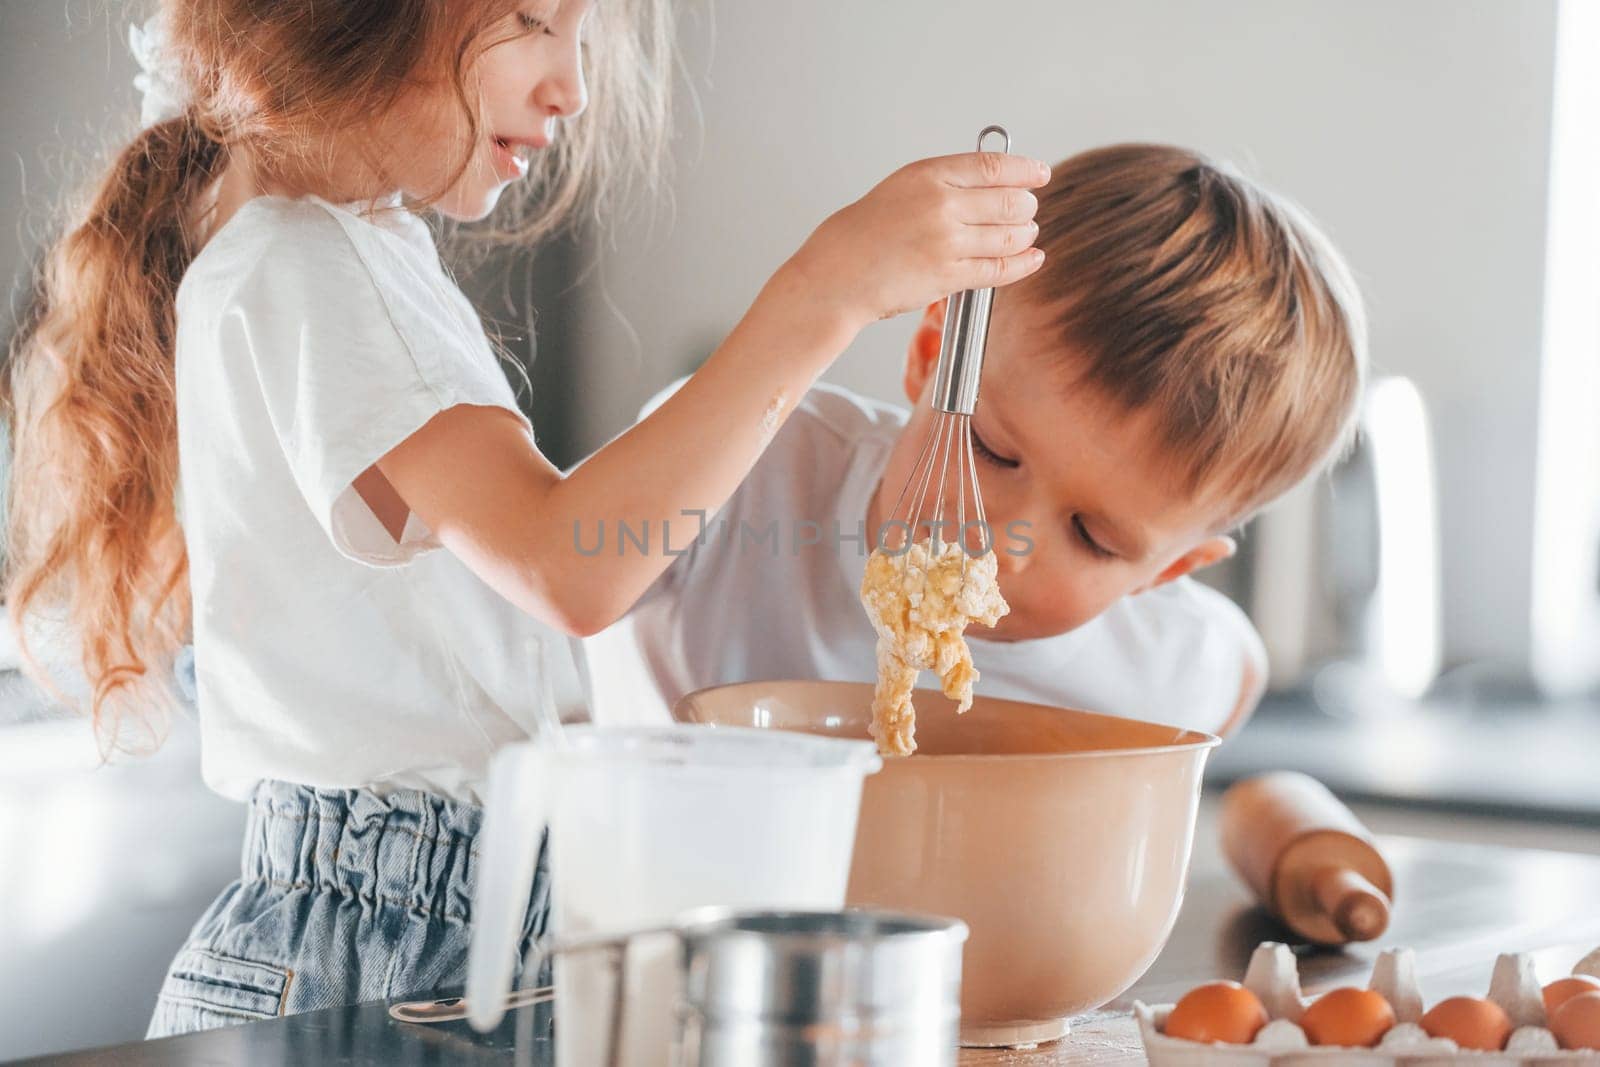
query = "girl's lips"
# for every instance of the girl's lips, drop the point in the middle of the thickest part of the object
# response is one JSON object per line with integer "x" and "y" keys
{"x": 511, "y": 159}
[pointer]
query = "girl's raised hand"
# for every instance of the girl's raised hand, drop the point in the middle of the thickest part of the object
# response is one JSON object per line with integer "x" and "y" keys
{"x": 930, "y": 229}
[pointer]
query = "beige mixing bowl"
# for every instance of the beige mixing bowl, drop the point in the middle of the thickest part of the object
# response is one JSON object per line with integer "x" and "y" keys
{"x": 1061, "y": 838}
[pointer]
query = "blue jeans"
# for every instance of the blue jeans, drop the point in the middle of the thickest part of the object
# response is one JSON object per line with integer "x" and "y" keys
{"x": 343, "y": 896}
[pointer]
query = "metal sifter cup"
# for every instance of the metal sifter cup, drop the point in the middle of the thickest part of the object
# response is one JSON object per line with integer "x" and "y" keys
{"x": 819, "y": 988}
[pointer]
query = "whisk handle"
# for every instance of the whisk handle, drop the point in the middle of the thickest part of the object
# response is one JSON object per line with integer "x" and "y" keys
{"x": 966, "y": 331}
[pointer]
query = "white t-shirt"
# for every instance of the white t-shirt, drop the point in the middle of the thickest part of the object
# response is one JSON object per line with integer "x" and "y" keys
{"x": 742, "y": 606}
{"x": 310, "y": 342}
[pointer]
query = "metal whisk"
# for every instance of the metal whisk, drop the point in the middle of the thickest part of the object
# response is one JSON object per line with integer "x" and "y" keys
{"x": 945, "y": 473}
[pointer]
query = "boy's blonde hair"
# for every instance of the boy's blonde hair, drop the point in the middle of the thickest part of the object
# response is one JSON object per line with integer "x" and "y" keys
{"x": 1185, "y": 289}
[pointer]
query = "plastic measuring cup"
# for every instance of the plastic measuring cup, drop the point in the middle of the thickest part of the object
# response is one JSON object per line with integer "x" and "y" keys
{"x": 645, "y": 824}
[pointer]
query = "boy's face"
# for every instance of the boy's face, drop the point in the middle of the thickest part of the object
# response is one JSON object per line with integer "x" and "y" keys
{"x": 1084, "y": 482}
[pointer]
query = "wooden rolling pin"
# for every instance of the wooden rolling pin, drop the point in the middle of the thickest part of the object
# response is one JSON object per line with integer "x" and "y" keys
{"x": 1307, "y": 857}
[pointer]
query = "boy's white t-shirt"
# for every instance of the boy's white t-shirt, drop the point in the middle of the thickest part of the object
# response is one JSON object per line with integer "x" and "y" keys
{"x": 743, "y": 606}
{"x": 310, "y": 342}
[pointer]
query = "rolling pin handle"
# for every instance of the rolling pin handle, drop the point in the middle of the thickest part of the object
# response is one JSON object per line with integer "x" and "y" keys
{"x": 1357, "y": 907}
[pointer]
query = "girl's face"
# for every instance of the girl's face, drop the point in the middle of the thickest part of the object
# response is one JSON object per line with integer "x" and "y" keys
{"x": 1098, "y": 515}
{"x": 526, "y": 83}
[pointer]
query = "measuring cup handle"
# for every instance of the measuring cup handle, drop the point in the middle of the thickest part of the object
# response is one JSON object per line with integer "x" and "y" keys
{"x": 616, "y": 947}
{"x": 516, "y": 811}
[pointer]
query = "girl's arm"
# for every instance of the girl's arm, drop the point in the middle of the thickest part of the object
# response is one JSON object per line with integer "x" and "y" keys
{"x": 474, "y": 476}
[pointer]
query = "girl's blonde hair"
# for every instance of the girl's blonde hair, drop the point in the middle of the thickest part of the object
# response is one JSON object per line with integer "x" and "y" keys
{"x": 93, "y": 531}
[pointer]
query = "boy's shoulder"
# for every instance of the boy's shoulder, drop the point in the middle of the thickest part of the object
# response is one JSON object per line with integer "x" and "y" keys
{"x": 1168, "y": 630}
{"x": 1189, "y": 626}
{"x": 1179, "y": 653}
{"x": 1183, "y": 616}
{"x": 1183, "y": 600}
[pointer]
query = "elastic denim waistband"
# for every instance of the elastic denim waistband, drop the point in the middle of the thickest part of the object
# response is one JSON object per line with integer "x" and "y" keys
{"x": 406, "y": 849}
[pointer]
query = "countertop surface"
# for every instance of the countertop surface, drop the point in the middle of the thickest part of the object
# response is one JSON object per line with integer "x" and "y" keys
{"x": 1457, "y": 904}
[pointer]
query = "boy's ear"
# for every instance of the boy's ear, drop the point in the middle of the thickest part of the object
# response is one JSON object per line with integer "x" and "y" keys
{"x": 1211, "y": 550}
{"x": 923, "y": 353}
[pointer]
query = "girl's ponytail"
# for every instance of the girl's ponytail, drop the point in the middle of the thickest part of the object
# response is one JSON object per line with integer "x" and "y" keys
{"x": 94, "y": 541}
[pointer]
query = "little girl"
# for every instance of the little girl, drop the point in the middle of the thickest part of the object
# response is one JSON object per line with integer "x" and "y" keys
{"x": 249, "y": 329}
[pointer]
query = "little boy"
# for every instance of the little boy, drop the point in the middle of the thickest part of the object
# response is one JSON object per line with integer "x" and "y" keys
{"x": 1192, "y": 348}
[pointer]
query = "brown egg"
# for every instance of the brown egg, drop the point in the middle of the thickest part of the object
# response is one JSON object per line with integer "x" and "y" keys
{"x": 1217, "y": 1011}
{"x": 1353, "y": 1018}
{"x": 1470, "y": 1023}
{"x": 1562, "y": 990}
{"x": 1576, "y": 1023}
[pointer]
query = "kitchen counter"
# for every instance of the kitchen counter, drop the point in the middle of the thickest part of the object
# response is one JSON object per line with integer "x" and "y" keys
{"x": 1457, "y": 904}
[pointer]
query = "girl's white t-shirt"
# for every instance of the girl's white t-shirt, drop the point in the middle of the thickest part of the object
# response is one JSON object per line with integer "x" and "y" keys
{"x": 312, "y": 340}
{"x": 751, "y": 599}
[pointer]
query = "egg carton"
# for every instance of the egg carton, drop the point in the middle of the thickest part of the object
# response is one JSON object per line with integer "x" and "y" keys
{"x": 1274, "y": 978}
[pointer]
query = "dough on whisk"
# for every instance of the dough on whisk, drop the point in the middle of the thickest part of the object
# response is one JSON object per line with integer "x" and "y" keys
{"x": 920, "y": 605}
